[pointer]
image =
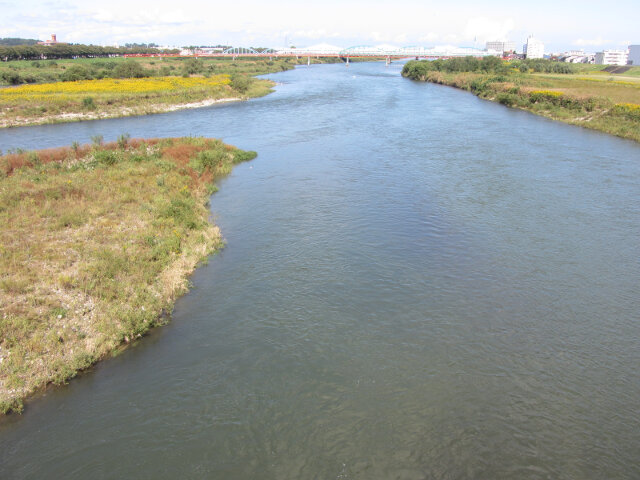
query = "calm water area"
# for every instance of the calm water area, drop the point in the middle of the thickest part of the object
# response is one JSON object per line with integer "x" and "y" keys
{"x": 417, "y": 284}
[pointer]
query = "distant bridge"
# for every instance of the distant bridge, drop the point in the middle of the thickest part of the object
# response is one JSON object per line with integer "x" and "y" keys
{"x": 360, "y": 51}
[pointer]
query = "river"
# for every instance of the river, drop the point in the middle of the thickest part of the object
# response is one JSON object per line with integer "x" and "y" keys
{"x": 417, "y": 283}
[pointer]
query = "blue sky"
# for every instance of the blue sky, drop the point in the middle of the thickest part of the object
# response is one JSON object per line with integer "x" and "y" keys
{"x": 561, "y": 25}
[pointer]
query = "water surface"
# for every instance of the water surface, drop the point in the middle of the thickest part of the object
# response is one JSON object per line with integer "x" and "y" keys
{"x": 417, "y": 284}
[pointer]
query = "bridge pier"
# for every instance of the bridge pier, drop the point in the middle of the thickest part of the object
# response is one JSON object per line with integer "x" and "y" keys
{"x": 347, "y": 61}
{"x": 388, "y": 61}
{"x": 308, "y": 61}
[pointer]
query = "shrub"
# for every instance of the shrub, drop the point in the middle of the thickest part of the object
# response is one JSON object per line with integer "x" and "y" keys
{"x": 240, "y": 83}
{"x": 75, "y": 73}
{"x": 507, "y": 99}
{"x": 88, "y": 103}
{"x": 210, "y": 159}
{"x": 123, "y": 140}
{"x": 544, "y": 96}
{"x": 192, "y": 66}
{"x": 106, "y": 157}
{"x": 478, "y": 86}
{"x": 130, "y": 69}
{"x": 244, "y": 156}
{"x": 629, "y": 110}
{"x": 183, "y": 213}
{"x": 12, "y": 78}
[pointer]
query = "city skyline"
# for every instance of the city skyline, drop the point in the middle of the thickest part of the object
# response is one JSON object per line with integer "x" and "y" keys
{"x": 570, "y": 25}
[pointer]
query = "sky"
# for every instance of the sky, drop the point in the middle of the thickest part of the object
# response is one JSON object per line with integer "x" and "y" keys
{"x": 561, "y": 24}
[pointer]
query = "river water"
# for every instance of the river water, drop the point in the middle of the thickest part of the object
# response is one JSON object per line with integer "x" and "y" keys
{"x": 417, "y": 284}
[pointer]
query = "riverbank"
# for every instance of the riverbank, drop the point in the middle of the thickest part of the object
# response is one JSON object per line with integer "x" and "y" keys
{"x": 67, "y": 90}
{"x": 112, "y": 98}
{"x": 593, "y": 99}
{"x": 97, "y": 243}
{"x": 116, "y": 112}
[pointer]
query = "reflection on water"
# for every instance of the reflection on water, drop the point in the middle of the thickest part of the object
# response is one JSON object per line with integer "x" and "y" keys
{"x": 416, "y": 284}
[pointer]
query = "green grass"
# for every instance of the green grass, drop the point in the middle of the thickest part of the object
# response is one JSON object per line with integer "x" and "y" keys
{"x": 96, "y": 243}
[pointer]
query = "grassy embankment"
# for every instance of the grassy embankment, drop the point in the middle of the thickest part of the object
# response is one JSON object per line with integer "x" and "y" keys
{"x": 585, "y": 95}
{"x": 51, "y": 91}
{"x": 96, "y": 243}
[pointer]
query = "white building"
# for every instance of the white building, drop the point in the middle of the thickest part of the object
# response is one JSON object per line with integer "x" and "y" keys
{"x": 576, "y": 56}
{"x": 612, "y": 57}
{"x": 534, "y": 48}
{"x": 502, "y": 47}
{"x": 634, "y": 55}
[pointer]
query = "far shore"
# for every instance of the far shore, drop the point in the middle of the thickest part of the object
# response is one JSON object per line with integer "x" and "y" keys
{"x": 575, "y": 94}
{"x": 41, "y": 92}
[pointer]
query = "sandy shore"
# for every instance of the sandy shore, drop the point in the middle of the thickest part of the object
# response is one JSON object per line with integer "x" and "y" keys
{"x": 115, "y": 113}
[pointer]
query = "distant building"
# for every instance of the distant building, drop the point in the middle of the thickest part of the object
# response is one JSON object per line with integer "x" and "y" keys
{"x": 534, "y": 48}
{"x": 612, "y": 57}
{"x": 576, "y": 56}
{"x": 208, "y": 50}
{"x": 634, "y": 55}
{"x": 52, "y": 41}
{"x": 499, "y": 46}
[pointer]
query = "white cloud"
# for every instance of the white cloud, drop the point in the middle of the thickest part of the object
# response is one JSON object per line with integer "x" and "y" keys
{"x": 138, "y": 18}
{"x": 487, "y": 29}
{"x": 315, "y": 34}
{"x": 401, "y": 39}
{"x": 451, "y": 38}
{"x": 429, "y": 37}
{"x": 103, "y": 16}
{"x": 591, "y": 42}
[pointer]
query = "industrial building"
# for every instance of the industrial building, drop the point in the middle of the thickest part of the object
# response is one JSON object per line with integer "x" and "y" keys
{"x": 612, "y": 57}
{"x": 501, "y": 46}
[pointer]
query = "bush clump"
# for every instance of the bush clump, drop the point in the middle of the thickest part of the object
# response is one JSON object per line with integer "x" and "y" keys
{"x": 75, "y": 73}
{"x": 130, "y": 69}
{"x": 89, "y": 103}
{"x": 241, "y": 83}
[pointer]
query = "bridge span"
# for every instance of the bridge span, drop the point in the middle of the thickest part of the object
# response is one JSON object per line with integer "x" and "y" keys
{"x": 360, "y": 51}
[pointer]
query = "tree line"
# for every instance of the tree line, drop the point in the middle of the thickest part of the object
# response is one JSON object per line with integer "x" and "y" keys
{"x": 419, "y": 69}
{"x": 54, "y": 52}
{"x": 12, "y": 41}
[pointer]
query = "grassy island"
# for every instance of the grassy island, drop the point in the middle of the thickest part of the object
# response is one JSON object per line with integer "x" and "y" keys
{"x": 592, "y": 96}
{"x": 97, "y": 242}
{"x": 52, "y": 91}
